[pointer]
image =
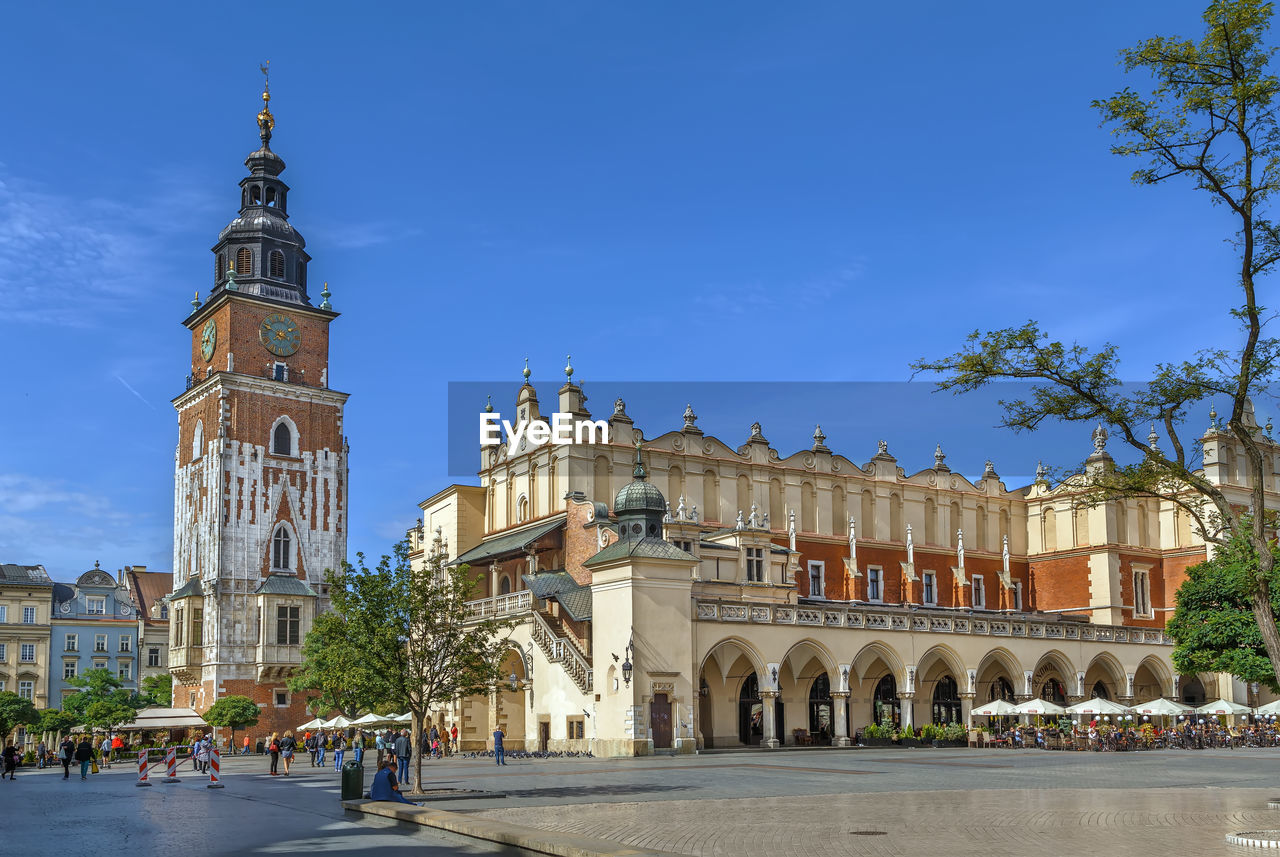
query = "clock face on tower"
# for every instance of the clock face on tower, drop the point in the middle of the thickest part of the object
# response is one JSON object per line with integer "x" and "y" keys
{"x": 280, "y": 334}
{"x": 208, "y": 339}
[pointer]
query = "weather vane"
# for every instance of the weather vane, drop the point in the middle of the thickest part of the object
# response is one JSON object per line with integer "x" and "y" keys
{"x": 266, "y": 78}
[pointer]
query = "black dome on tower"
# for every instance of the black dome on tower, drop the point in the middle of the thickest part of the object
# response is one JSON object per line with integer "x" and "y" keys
{"x": 260, "y": 253}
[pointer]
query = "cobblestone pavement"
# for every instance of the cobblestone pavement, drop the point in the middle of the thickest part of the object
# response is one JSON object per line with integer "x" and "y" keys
{"x": 908, "y": 802}
{"x": 782, "y": 803}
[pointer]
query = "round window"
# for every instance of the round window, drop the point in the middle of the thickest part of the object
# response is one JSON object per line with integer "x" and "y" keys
{"x": 637, "y": 529}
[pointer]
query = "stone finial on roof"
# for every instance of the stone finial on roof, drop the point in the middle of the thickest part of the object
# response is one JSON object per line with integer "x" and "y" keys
{"x": 989, "y": 471}
{"x": 195, "y": 302}
{"x": 1153, "y": 439}
{"x": 738, "y": 524}
{"x": 819, "y": 440}
{"x": 568, "y": 368}
{"x": 690, "y": 418}
{"x": 325, "y": 294}
{"x": 1042, "y": 472}
{"x": 940, "y": 459}
{"x": 526, "y": 373}
{"x": 619, "y": 407}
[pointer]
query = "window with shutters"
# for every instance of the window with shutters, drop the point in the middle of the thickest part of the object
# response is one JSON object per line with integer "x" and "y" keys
{"x": 277, "y": 264}
{"x": 244, "y": 261}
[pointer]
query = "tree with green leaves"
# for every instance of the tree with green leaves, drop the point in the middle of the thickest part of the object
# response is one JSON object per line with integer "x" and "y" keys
{"x": 1208, "y": 120}
{"x": 415, "y": 644}
{"x": 1213, "y": 626}
{"x": 330, "y": 661}
{"x": 56, "y": 721}
{"x": 101, "y": 700}
{"x": 233, "y": 712}
{"x": 158, "y": 690}
{"x": 15, "y": 711}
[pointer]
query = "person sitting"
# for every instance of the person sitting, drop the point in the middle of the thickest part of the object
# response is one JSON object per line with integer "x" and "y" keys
{"x": 385, "y": 785}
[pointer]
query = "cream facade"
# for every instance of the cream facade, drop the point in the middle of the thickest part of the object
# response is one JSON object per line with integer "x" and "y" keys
{"x": 25, "y": 602}
{"x": 803, "y": 596}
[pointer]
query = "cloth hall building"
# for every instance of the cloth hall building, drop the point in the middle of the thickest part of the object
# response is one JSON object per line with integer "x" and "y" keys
{"x": 687, "y": 592}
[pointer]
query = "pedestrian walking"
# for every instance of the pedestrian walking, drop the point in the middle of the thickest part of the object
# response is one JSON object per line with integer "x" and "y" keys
{"x": 310, "y": 743}
{"x": 287, "y": 746}
{"x": 66, "y": 752}
{"x": 204, "y": 753}
{"x": 273, "y": 747}
{"x": 106, "y": 752}
{"x": 380, "y": 744}
{"x": 403, "y": 747}
{"x": 498, "y": 753}
{"x": 85, "y": 754}
{"x": 453, "y": 735}
{"x": 245, "y": 751}
{"x": 42, "y": 752}
{"x": 339, "y": 750}
{"x": 322, "y": 741}
{"x": 11, "y": 756}
{"x": 357, "y": 744}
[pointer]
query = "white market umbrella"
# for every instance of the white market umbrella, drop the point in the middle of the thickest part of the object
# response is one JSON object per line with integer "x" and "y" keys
{"x": 1161, "y": 708}
{"x": 369, "y": 719}
{"x": 312, "y": 724}
{"x": 1269, "y": 708}
{"x": 1097, "y": 706}
{"x": 1223, "y": 706}
{"x": 338, "y": 722}
{"x": 1039, "y": 707}
{"x": 407, "y": 717}
{"x": 995, "y": 708}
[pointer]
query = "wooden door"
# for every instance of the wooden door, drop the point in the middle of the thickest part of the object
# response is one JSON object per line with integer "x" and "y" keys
{"x": 544, "y": 735}
{"x": 660, "y": 721}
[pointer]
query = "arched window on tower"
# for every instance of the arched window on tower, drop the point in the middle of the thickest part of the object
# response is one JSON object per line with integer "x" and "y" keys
{"x": 281, "y": 549}
{"x": 282, "y": 439}
{"x": 277, "y": 264}
{"x": 197, "y": 441}
{"x": 219, "y": 267}
{"x": 271, "y": 197}
{"x": 244, "y": 261}
{"x": 255, "y": 195}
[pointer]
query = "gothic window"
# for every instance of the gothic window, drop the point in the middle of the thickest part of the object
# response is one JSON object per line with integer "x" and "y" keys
{"x": 281, "y": 549}
{"x": 277, "y": 264}
{"x": 219, "y": 265}
{"x": 244, "y": 261}
{"x": 197, "y": 441}
{"x": 946, "y": 701}
{"x": 504, "y": 585}
{"x": 255, "y": 195}
{"x": 522, "y": 509}
{"x": 282, "y": 439}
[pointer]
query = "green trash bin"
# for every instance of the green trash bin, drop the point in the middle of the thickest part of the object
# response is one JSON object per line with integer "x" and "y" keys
{"x": 352, "y": 781}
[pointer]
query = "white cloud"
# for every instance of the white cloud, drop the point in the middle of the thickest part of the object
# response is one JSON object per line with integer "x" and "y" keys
{"x": 64, "y": 260}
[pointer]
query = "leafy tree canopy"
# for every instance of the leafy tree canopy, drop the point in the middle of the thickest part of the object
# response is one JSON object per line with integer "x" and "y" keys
{"x": 1213, "y": 626}
{"x": 404, "y": 638}
{"x": 1208, "y": 119}
{"x": 158, "y": 690}
{"x": 102, "y": 700}
{"x": 233, "y": 712}
{"x": 15, "y": 711}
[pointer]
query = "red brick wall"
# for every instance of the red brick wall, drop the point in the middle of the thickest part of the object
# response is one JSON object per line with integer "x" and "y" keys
{"x": 239, "y": 319}
{"x": 1060, "y": 583}
{"x": 271, "y": 719}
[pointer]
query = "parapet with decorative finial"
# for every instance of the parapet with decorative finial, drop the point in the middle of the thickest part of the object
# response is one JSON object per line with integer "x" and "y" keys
{"x": 324, "y": 304}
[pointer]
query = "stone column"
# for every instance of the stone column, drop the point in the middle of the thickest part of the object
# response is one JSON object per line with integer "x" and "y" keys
{"x": 768, "y": 699}
{"x": 495, "y": 699}
{"x": 906, "y": 711}
{"x": 493, "y": 580}
{"x": 841, "y": 730}
{"x": 966, "y": 706}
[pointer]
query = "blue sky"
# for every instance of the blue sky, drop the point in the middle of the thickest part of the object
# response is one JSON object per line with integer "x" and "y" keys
{"x": 670, "y": 191}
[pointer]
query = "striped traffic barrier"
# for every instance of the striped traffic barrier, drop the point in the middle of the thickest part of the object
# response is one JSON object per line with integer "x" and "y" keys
{"x": 142, "y": 768}
{"x": 215, "y": 759}
{"x": 171, "y": 765}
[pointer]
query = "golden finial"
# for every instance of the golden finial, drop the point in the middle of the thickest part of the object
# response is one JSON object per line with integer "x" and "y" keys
{"x": 266, "y": 122}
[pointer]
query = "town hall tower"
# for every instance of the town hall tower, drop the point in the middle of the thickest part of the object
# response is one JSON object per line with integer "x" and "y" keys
{"x": 260, "y": 470}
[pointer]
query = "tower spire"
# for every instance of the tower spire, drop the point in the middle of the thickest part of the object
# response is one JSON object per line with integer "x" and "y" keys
{"x": 266, "y": 122}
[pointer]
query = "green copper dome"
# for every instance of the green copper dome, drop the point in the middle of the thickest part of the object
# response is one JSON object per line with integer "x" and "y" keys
{"x": 639, "y": 495}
